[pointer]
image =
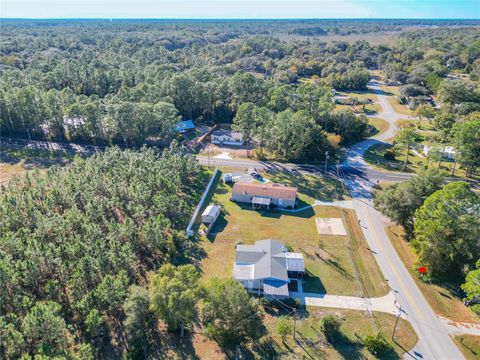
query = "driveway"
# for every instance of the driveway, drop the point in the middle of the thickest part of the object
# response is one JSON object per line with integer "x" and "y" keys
{"x": 385, "y": 303}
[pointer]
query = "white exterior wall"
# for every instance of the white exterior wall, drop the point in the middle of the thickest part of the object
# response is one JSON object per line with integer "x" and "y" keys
{"x": 282, "y": 203}
{"x": 251, "y": 284}
{"x": 210, "y": 214}
{"x": 226, "y": 141}
{"x": 295, "y": 265}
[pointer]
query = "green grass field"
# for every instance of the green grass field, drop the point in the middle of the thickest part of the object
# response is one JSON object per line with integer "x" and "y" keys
{"x": 15, "y": 162}
{"x": 380, "y": 125}
{"x": 375, "y": 157}
{"x": 469, "y": 345}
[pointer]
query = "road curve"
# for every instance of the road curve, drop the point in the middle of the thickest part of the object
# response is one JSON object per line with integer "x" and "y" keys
{"x": 434, "y": 340}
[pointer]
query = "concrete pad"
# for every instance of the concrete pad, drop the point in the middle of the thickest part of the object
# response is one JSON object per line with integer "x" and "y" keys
{"x": 330, "y": 226}
{"x": 224, "y": 156}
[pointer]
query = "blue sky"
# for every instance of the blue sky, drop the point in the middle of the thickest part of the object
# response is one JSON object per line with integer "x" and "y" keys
{"x": 241, "y": 9}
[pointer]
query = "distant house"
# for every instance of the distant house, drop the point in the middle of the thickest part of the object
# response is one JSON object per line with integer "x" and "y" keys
{"x": 267, "y": 267}
{"x": 268, "y": 195}
{"x": 342, "y": 100}
{"x": 210, "y": 214}
{"x": 227, "y": 137}
{"x": 448, "y": 152}
{"x": 184, "y": 126}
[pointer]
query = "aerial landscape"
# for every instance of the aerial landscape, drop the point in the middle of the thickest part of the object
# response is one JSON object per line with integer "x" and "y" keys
{"x": 298, "y": 185}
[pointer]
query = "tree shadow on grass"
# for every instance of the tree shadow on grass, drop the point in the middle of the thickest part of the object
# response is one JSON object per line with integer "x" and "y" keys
{"x": 313, "y": 284}
{"x": 192, "y": 252}
{"x": 182, "y": 347}
{"x": 34, "y": 158}
{"x": 220, "y": 224}
{"x": 347, "y": 348}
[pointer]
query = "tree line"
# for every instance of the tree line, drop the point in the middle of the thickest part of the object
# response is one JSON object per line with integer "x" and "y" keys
{"x": 442, "y": 223}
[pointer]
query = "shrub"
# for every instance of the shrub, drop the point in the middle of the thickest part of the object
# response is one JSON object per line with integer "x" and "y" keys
{"x": 331, "y": 327}
{"x": 284, "y": 327}
{"x": 389, "y": 155}
{"x": 377, "y": 345}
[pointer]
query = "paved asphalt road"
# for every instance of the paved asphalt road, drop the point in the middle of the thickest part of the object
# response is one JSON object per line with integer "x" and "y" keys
{"x": 434, "y": 340}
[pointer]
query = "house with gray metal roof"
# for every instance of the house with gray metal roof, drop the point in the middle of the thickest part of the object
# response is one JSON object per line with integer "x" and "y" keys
{"x": 267, "y": 267}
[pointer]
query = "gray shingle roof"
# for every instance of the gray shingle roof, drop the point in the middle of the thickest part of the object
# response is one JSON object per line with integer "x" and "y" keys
{"x": 268, "y": 256}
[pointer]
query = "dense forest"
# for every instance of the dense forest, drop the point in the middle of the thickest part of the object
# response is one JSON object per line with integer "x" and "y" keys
{"x": 73, "y": 240}
{"x": 124, "y": 82}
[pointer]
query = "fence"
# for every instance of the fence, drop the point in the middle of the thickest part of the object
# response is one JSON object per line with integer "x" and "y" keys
{"x": 207, "y": 195}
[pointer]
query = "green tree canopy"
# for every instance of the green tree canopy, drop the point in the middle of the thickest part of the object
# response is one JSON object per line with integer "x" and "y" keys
{"x": 45, "y": 330}
{"x": 174, "y": 293}
{"x": 467, "y": 140}
{"x": 229, "y": 314}
{"x": 79, "y": 236}
{"x": 401, "y": 200}
{"x": 472, "y": 288}
{"x": 446, "y": 230}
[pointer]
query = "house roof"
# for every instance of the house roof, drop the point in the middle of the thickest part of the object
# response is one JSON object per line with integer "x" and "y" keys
{"x": 228, "y": 134}
{"x": 211, "y": 210}
{"x": 184, "y": 125}
{"x": 275, "y": 288}
{"x": 266, "y": 190}
{"x": 268, "y": 258}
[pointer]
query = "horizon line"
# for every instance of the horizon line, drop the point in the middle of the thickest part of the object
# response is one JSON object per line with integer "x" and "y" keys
{"x": 230, "y": 18}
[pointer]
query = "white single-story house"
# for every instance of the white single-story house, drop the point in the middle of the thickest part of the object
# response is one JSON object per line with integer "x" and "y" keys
{"x": 236, "y": 177}
{"x": 267, "y": 267}
{"x": 210, "y": 214}
{"x": 448, "y": 151}
{"x": 184, "y": 126}
{"x": 227, "y": 137}
{"x": 265, "y": 195}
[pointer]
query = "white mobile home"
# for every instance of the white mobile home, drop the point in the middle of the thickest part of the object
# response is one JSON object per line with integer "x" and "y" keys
{"x": 227, "y": 137}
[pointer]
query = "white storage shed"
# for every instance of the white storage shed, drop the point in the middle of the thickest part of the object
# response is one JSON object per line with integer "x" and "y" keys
{"x": 211, "y": 214}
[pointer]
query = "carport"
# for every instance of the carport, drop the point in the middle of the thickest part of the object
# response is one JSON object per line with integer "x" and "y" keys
{"x": 261, "y": 202}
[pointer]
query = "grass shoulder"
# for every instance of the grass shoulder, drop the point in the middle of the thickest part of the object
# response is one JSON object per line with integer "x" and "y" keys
{"x": 15, "y": 162}
{"x": 379, "y": 125}
{"x": 469, "y": 345}
{"x": 444, "y": 297}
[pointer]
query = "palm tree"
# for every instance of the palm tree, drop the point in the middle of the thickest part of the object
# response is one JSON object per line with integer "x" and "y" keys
{"x": 407, "y": 137}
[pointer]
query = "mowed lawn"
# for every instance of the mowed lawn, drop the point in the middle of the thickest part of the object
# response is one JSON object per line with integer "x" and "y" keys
{"x": 339, "y": 265}
{"x": 311, "y": 187}
{"x": 469, "y": 345}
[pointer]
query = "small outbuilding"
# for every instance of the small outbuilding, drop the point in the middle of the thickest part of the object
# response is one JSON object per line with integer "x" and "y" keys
{"x": 210, "y": 214}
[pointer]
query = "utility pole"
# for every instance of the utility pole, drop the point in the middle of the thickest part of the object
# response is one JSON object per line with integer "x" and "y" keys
{"x": 396, "y": 322}
{"x": 208, "y": 154}
{"x": 326, "y": 161}
{"x": 294, "y": 324}
{"x": 338, "y": 178}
